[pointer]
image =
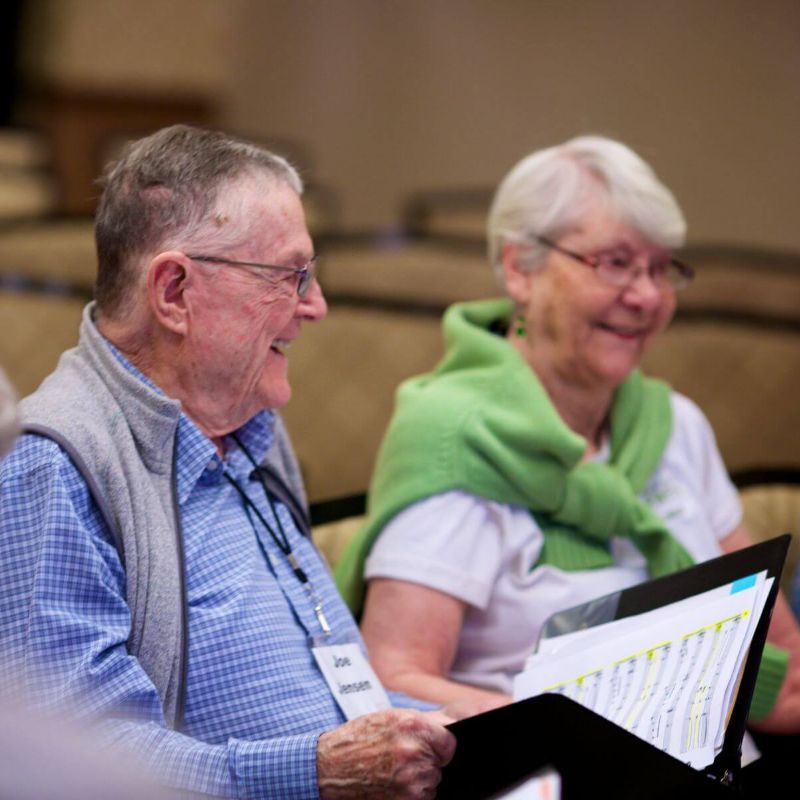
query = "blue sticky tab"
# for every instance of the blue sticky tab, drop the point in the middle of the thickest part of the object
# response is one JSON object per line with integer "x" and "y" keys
{"x": 743, "y": 583}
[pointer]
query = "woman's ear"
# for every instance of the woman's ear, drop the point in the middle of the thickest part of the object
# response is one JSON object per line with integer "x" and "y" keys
{"x": 518, "y": 278}
{"x": 168, "y": 277}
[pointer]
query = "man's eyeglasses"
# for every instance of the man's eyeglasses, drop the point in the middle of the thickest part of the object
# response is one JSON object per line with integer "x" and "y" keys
{"x": 306, "y": 273}
{"x": 619, "y": 269}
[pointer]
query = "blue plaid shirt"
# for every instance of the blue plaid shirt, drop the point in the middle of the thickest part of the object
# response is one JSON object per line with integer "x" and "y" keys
{"x": 256, "y": 702}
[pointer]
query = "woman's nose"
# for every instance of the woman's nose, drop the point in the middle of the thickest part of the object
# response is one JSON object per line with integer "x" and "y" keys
{"x": 643, "y": 290}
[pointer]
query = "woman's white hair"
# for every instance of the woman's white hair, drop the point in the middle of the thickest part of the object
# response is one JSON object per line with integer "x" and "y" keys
{"x": 550, "y": 191}
{"x": 9, "y": 420}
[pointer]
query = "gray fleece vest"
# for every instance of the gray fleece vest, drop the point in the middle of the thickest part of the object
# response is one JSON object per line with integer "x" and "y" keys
{"x": 120, "y": 434}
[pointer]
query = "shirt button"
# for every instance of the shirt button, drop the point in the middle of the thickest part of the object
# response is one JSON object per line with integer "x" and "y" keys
{"x": 213, "y": 464}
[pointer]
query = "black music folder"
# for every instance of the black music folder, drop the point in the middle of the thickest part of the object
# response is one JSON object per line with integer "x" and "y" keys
{"x": 593, "y": 757}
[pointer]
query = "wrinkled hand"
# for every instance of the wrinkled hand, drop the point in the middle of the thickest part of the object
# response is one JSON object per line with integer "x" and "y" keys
{"x": 389, "y": 754}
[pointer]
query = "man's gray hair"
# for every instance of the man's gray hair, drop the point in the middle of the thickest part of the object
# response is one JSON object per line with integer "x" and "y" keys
{"x": 9, "y": 418}
{"x": 165, "y": 191}
{"x": 550, "y": 191}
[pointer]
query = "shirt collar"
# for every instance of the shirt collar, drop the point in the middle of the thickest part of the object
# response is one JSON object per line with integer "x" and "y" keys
{"x": 256, "y": 436}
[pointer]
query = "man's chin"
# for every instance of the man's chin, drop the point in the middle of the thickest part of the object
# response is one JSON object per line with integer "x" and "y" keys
{"x": 277, "y": 396}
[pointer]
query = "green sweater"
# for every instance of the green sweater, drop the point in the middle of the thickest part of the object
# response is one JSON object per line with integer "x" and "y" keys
{"x": 482, "y": 422}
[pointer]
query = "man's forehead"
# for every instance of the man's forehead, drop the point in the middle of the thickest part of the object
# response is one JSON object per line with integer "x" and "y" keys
{"x": 256, "y": 192}
{"x": 271, "y": 209}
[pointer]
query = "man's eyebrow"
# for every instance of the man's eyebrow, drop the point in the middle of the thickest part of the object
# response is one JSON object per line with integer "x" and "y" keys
{"x": 294, "y": 255}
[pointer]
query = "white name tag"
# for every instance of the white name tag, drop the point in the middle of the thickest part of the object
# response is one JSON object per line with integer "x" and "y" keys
{"x": 351, "y": 679}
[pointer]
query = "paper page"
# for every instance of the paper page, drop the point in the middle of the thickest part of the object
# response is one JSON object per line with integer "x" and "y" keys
{"x": 666, "y": 682}
{"x": 763, "y": 587}
{"x": 578, "y": 641}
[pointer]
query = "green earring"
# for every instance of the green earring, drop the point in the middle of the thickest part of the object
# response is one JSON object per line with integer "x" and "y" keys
{"x": 519, "y": 325}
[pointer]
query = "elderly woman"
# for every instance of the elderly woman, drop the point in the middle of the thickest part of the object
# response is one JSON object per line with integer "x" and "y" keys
{"x": 536, "y": 468}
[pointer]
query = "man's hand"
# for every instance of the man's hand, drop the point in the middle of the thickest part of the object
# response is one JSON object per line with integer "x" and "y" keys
{"x": 388, "y": 754}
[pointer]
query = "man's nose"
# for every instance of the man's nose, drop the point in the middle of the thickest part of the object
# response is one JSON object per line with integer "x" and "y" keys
{"x": 313, "y": 307}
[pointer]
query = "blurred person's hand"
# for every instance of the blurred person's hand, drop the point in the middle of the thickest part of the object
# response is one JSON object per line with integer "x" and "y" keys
{"x": 54, "y": 758}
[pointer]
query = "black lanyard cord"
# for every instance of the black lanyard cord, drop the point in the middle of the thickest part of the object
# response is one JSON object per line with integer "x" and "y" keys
{"x": 256, "y": 467}
{"x": 281, "y": 540}
{"x": 263, "y": 483}
{"x": 279, "y": 537}
{"x": 267, "y": 494}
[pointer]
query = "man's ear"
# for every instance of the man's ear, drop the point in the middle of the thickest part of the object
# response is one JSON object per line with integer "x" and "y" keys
{"x": 168, "y": 277}
{"x": 518, "y": 281}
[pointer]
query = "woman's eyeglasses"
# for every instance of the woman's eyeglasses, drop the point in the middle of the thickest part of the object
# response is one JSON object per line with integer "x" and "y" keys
{"x": 621, "y": 269}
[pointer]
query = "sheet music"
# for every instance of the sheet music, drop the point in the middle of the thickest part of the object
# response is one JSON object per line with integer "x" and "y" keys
{"x": 668, "y": 676}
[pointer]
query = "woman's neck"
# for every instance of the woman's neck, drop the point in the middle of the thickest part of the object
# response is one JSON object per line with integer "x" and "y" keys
{"x": 583, "y": 408}
{"x": 583, "y": 411}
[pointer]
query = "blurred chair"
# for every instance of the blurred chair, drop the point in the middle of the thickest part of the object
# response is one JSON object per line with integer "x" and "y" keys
{"x": 56, "y": 251}
{"x": 23, "y": 148}
{"x": 734, "y": 348}
{"x": 386, "y": 297}
{"x": 335, "y": 522}
{"x": 27, "y": 188}
{"x": 405, "y": 272}
{"x": 26, "y": 195}
{"x": 771, "y": 501}
{"x": 78, "y": 120}
{"x": 745, "y": 378}
{"x": 344, "y": 373}
{"x": 35, "y": 328}
{"x": 743, "y": 284}
{"x": 458, "y": 214}
{"x": 323, "y": 211}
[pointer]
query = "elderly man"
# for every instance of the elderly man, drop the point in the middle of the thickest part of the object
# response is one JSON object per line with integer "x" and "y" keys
{"x": 155, "y": 564}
